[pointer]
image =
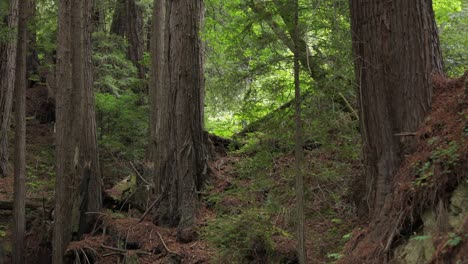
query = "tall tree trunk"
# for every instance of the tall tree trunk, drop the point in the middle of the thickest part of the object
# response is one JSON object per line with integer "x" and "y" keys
{"x": 65, "y": 145}
{"x": 78, "y": 183}
{"x": 299, "y": 152}
{"x": 90, "y": 161}
{"x": 7, "y": 82}
{"x": 19, "y": 212}
{"x": 128, "y": 22}
{"x": 180, "y": 156}
{"x": 396, "y": 50}
{"x": 134, "y": 32}
{"x": 118, "y": 18}
{"x": 99, "y": 15}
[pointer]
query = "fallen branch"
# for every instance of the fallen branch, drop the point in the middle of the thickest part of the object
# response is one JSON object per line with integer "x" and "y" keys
{"x": 140, "y": 252}
{"x": 139, "y": 175}
{"x": 149, "y": 208}
{"x": 165, "y": 246}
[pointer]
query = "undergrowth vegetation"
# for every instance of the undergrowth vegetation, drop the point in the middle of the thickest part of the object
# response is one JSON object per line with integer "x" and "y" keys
{"x": 254, "y": 203}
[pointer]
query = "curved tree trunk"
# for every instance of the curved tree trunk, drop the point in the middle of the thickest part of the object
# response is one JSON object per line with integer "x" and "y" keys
{"x": 180, "y": 156}
{"x": 7, "y": 82}
{"x": 396, "y": 50}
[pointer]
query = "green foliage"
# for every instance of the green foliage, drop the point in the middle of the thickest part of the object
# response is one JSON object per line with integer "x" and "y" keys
{"x": 45, "y": 25}
{"x": 240, "y": 237}
{"x": 4, "y": 30}
{"x": 445, "y": 157}
{"x": 249, "y": 68}
{"x": 122, "y": 124}
{"x": 113, "y": 73}
{"x": 420, "y": 238}
{"x": 454, "y": 240}
{"x": 3, "y": 230}
{"x": 335, "y": 256}
{"x": 452, "y": 18}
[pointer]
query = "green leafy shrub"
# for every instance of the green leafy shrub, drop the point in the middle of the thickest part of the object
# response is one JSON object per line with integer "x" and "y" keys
{"x": 122, "y": 124}
{"x": 113, "y": 72}
{"x": 242, "y": 238}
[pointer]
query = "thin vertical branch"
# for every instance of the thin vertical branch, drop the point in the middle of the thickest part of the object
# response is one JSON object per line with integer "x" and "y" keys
{"x": 301, "y": 251}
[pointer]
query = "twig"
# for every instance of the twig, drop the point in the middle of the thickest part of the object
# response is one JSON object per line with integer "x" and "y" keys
{"x": 149, "y": 208}
{"x": 349, "y": 106}
{"x": 85, "y": 256}
{"x": 405, "y": 134}
{"x": 112, "y": 253}
{"x": 165, "y": 246}
{"x": 139, "y": 175}
{"x": 125, "y": 251}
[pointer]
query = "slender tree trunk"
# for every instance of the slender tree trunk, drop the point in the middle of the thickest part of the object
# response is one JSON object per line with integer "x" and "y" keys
{"x": 180, "y": 156}
{"x": 299, "y": 152}
{"x": 396, "y": 50}
{"x": 90, "y": 161}
{"x": 19, "y": 212}
{"x": 65, "y": 145}
{"x": 7, "y": 82}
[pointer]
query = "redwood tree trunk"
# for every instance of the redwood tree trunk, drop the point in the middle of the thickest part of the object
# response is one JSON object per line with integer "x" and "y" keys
{"x": 396, "y": 50}
{"x": 128, "y": 22}
{"x": 7, "y": 82}
{"x": 65, "y": 169}
{"x": 78, "y": 182}
{"x": 180, "y": 159}
{"x": 19, "y": 212}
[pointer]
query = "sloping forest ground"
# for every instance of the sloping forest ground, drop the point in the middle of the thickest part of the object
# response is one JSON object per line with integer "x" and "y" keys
{"x": 426, "y": 219}
{"x": 247, "y": 212}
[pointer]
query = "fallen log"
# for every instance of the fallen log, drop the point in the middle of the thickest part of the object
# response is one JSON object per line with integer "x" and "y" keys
{"x": 8, "y": 205}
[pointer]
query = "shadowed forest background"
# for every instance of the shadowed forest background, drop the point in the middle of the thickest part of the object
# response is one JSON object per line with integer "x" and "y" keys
{"x": 240, "y": 131}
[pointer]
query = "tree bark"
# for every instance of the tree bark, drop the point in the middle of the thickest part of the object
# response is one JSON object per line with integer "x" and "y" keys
{"x": 19, "y": 212}
{"x": 128, "y": 22}
{"x": 7, "y": 82}
{"x": 396, "y": 50}
{"x": 90, "y": 161}
{"x": 78, "y": 181}
{"x": 65, "y": 145}
{"x": 179, "y": 156}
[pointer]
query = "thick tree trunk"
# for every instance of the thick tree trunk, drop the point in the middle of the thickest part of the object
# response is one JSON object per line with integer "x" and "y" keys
{"x": 396, "y": 50}
{"x": 7, "y": 82}
{"x": 19, "y": 212}
{"x": 78, "y": 183}
{"x": 180, "y": 156}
